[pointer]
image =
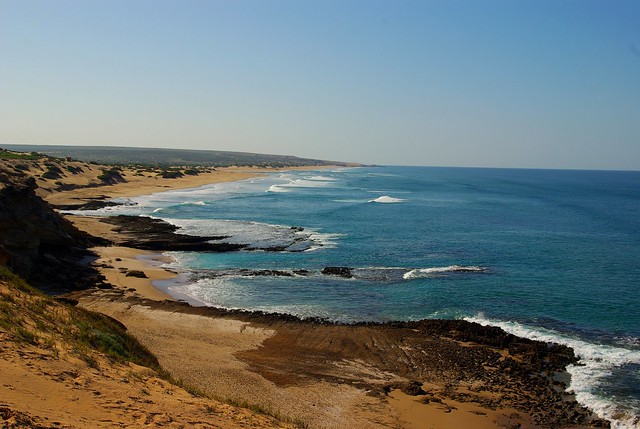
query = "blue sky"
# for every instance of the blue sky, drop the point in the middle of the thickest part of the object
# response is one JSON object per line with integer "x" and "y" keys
{"x": 509, "y": 83}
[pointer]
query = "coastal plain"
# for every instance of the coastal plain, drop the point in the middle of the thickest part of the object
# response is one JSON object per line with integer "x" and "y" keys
{"x": 251, "y": 369}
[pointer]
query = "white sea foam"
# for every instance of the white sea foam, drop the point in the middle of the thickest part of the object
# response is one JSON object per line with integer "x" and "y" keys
{"x": 596, "y": 363}
{"x": 257, "y": 235}
{"x": 385, "y": 199}
{"x": 277, "y": 188}
{"x": 323, "y": 239}
{"x": 322, "y": 178}
{"x": 430, "y": 272}
{"x": 200, "y": 290}
{"x": 222, "y": 292}
{"x": 308, "y": 183}
{"x": 382, "y": 175}
{"x": 304, "y": 182}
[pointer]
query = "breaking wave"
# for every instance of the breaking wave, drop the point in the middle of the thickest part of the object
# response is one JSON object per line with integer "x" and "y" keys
{"x": 598, "y": 362}
{"x": 385, "y": 199}
{"x": 430, "y": 272}
{"x": 304, "y": 182}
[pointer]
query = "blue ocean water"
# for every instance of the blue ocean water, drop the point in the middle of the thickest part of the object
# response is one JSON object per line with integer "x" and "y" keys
{"x": 547, "y": 254}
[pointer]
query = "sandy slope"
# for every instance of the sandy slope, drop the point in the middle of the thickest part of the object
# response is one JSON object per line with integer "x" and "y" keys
{"x": 45, "y": 383}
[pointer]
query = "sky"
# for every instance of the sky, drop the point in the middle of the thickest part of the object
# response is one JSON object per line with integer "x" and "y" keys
{"x": 486, "y": 83}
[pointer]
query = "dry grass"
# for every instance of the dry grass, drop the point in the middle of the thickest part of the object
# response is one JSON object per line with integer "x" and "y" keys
{"x": 28, "y": 316}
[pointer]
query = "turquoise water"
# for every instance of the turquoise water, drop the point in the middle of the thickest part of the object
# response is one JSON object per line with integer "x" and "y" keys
{"x": 553, "y": 255}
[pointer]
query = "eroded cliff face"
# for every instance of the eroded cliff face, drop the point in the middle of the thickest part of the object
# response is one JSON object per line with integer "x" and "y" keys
{"x": 39, "y": 244}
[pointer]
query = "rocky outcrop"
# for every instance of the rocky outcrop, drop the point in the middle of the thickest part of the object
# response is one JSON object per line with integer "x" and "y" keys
{"x": 137, "y": 273}
{"x": 41, "y": 246}
{"x": 146, "y": 233}
{"x": 345, "y": 272}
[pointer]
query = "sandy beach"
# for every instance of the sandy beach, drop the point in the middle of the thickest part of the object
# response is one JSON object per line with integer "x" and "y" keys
{"x": 409, "y": 375}
{"x": 145, "y": 184}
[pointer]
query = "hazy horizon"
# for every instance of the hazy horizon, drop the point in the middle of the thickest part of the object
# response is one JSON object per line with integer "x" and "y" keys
{"x": 522, "y": 84}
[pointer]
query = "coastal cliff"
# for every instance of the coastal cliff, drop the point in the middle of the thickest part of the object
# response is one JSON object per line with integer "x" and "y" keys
{"x": 40, "y": 245}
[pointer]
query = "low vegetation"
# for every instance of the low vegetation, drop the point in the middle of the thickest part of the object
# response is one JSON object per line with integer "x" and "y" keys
{"x": 111, "y": 175}
{"x": 53, "y": 172}
{"x": 28, "y": 316}
{"x": 7, "y": 154}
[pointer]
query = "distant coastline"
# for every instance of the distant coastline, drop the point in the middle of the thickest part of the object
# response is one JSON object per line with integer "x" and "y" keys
{"x": 173, "y": 157}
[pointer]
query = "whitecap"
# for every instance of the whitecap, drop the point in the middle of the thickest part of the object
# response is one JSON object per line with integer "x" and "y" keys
{"x": 277, "y": 188}
{"x": 385, "y": 199}
{"x": 430, "y": 272}
{"x": 597, "y": 361}
{"x": 308, "y": 183}
{"x": 322, "y": 178}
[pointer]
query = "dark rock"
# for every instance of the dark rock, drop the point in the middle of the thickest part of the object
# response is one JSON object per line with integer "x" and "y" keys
{"x": 274, "y": 273}
{"x": 5, "y": 256}
{"x": 66, "y": 300}
{"x": 146, "y": 233}
{"x": 413, "y": 388}
{"x": 137, "y": 273}
{"x": 91, "y": 205}
{"x": 50, "y": 258}
{"x": 345, "y": 272}
{"x": 41, "y": 246}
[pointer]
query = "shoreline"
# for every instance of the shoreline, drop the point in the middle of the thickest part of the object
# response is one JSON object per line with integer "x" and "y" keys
{"x": 145, "y": 185}
{"x": 264, "y": 363}
{"x": 116, "y": 262}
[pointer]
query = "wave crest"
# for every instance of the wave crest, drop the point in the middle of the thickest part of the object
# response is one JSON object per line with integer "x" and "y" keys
{"x": 385, "y": 199}
{"x": 430, "y": 272}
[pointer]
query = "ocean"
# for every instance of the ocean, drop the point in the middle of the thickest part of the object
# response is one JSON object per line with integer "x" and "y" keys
{"x": 552, "y": 255}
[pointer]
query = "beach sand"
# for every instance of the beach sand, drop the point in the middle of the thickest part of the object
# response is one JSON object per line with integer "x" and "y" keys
{"x": 144, "y": 185}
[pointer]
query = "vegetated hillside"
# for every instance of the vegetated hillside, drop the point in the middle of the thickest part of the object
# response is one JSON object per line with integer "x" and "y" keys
{"x": 66, "y": 367}
{"x": 167, "y": 157}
